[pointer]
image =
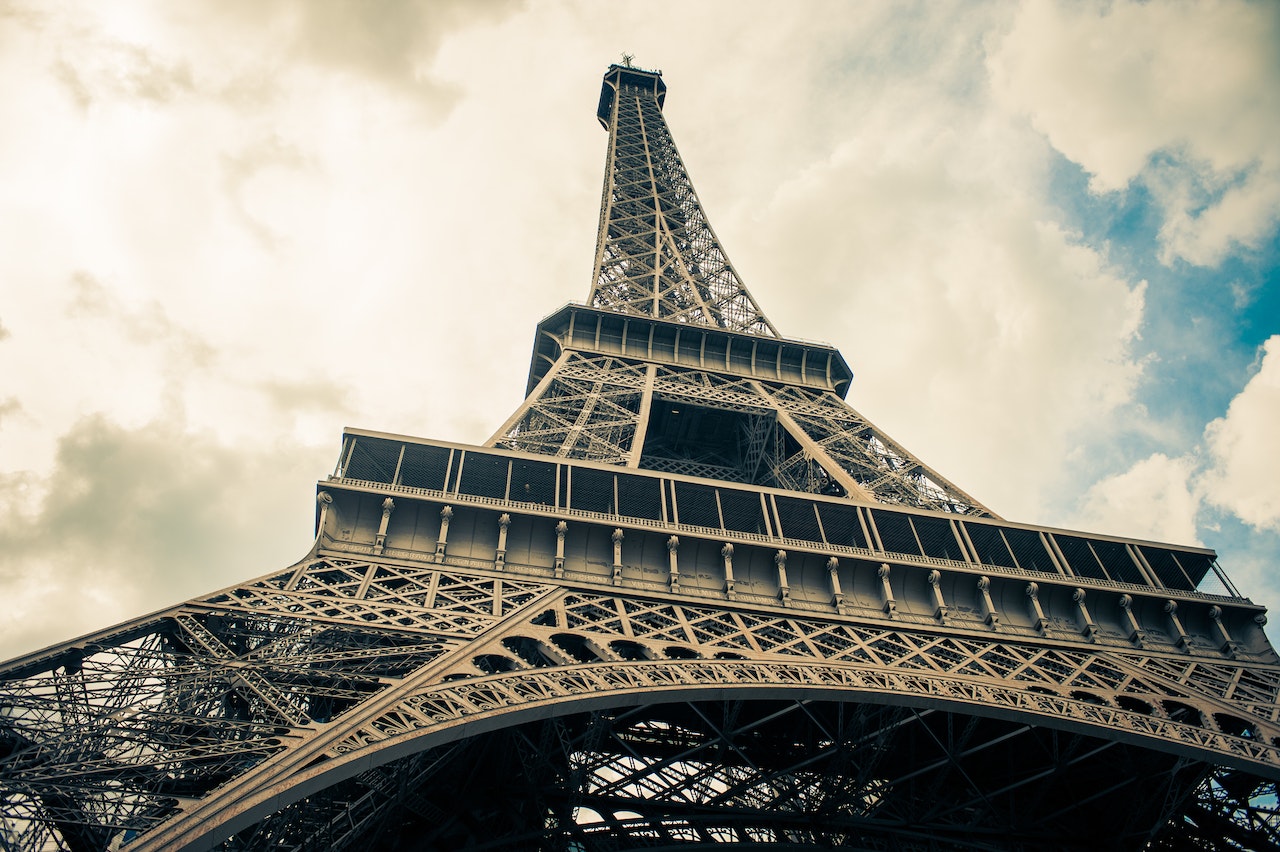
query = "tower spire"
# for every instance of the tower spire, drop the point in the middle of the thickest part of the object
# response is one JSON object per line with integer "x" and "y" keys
{"x": 675, "y": 368}
{"x": 656, "y": 254}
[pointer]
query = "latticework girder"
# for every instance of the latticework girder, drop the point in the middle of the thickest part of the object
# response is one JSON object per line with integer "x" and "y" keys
{"x": 574, "y": 640}
{"x": 590, "y": 406}
{"x": 656, "y": 254}
{"x": 362, "y": 691}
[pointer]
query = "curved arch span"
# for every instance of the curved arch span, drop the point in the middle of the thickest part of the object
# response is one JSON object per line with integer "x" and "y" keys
{"x": 444, "y": 713}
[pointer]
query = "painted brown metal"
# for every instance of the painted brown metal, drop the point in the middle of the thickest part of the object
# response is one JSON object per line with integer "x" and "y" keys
{"x": 613, "y": 627}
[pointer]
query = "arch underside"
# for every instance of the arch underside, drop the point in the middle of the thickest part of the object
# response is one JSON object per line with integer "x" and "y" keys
{"x": 729, "y": 726}
{"x": 765, "y": 773}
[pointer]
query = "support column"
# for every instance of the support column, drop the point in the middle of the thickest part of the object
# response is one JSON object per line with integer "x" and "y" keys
{"x": 989, "y": 614}
{"x": 1037, "y": 613}
{"x": 1184, "y": 641}
{"x": 617, "y": 556}
{"x": 673, "y": 575}
{"x": 1228, "y": 645}
{"x": 500, "y": 558}
{"x": 324, "y": 503}
{"x": 642, "y": 419}
{"x": 940, "y": 608}
{"x": 1135, "y": 632}
{"x": 561, "y": 529}
{"x": 1087, "y": 627}
{"x": 837, "y": 596}
{"x": 886, "y": 590}
{"x": 380, "y": 540}
{"x": 784, "y": 590}
{"x": 727, "y": 553}
{"x": 445, "y": 514}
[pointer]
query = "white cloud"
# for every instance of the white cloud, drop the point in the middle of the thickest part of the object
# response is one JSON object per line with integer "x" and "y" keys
{"x": 1244, "y": 448}
{"x": 986, "y": 337}
{"x": 230, "y": 227}
{"x": 133, "y": 519}
{"x": 1184, "y": 96}
{"x": 1154, "y": 499}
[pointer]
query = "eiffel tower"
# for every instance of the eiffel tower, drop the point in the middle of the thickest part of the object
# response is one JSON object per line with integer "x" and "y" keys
{"x": 685, "y": 597}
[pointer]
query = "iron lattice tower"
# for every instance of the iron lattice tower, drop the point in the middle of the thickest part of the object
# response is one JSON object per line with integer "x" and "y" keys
{"x": 684, "y": 597}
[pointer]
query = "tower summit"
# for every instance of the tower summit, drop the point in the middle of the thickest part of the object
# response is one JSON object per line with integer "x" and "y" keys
{"x": 685, "y": 597}
{"x": 674, "y": 367}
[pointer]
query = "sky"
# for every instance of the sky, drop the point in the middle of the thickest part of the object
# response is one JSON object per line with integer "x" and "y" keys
{"x": 1045, "y": 235}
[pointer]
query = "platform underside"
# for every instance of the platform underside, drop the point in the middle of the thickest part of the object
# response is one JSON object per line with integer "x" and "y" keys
{"x": 764, "y": 774}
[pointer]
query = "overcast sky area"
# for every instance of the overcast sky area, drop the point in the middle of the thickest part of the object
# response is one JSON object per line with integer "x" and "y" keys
{"x": 1045, "y": 235}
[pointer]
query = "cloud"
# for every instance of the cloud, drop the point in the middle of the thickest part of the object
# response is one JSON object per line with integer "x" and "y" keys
{"x": 9, "y": 406}
{"x": 1182, "y": 96}
{"x": 1153, "y": 499}
{"x": 393, "y": 41}
{"x": 272, "y": 220}
{"x": 240, "y": 50}
{"x": 1244, "y": 470}
{"x": 119, "y": 71}
{"x": 997, "y": 339}
{"x": 135, "y": 519}
{"x": 1235, "y": 471}
{"x": 263, "y": 158}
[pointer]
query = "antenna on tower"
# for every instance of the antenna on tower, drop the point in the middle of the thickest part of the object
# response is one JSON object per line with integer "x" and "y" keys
{"x": 626, "y": 60}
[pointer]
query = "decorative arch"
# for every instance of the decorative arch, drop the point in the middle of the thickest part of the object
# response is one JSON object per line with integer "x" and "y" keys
{"x": 448, "y": 712}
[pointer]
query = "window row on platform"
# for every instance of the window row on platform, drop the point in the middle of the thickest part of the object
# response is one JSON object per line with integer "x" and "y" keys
{"x": 560, "y": 485}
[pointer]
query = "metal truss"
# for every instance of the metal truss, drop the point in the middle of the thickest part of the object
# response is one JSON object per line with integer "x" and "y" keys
{"x": 587, "y": 407}
{"x": 656, "y": 254}
{"x": 596, "y": 408}
{"x": 765, "y": 774}
{"x": 522, "y": 686}
{"x": 365, "y": 693}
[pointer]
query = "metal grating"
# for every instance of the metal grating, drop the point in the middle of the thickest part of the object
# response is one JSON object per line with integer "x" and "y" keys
{"x": 1080, "y": 558}
{"x": 1167, "y": 569}
{"x": 797, "y": 518}
{"x": 484, "y": 475}
{"x": 936, "y": 538}
{"x": 424, "y": 466}
{"x": 533, "y": 482}
{"x": 639, "y": 497}
{"x": 841, "y": 525}
{"x": 1119, "y": 564}
{"x": 895, "y": 533}
{"x": 591, "y": 490}
{"x": 372, "y": 459}
{"x": 697, "y": 505}
{"x": 989, "y": 544}
{"x": 1029, "y": 550}
{"x": 742, "y": 512}
{"x": 1197, "y": 565}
